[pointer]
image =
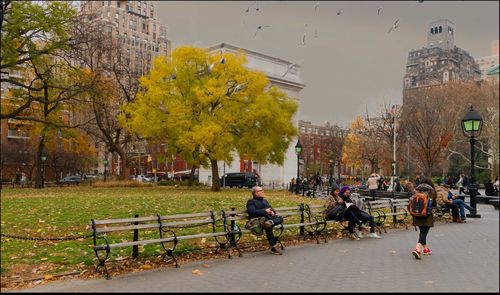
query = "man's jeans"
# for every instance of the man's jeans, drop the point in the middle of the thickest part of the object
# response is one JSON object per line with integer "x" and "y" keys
{"x": 269, "y": 231}
{"x": 461, "y": 204}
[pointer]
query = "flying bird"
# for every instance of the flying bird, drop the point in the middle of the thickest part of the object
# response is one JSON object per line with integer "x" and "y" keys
{"x": 303, "y": 42}
{"x": 257, "y": 6}
{"x": 288, "y": 69}
{"x": 339, "y": 12}
{"x": 378, "y": 10}
{"x": 260, "y": 28}
{"x": 394, "y": 26}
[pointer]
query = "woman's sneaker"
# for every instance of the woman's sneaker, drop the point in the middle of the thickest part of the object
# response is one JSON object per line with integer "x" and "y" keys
{"x": 275, "y": 251}
{"x": 416, "y": 253}
{"x": 427, "y": 251}
{"x": 353, "y": 236}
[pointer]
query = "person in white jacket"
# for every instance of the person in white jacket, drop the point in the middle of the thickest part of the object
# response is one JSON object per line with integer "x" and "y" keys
{"x": 373, "y": 184}
{"x": 460, "y": 185}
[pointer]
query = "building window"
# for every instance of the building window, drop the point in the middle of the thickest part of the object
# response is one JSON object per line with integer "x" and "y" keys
{"x": 440, "y": 29}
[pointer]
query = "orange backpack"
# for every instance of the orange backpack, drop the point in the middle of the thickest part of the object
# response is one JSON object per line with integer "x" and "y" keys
{"x": 420, "y": 204}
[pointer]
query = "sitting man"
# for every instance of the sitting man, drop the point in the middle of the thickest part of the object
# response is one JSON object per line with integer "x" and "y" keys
{"x": 460, "y": 203}
{"x": 443, "y": 201}
{"x": 258, "y": 207}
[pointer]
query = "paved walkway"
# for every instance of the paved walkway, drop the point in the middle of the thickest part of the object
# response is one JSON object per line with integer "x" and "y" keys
{"x": 465, "y": 259}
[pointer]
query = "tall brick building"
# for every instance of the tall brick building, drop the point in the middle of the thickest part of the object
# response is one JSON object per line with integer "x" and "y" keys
{"x": 321, "y": 149}
{"x": 440, "y": 61}
{"x": 141, "y": 38}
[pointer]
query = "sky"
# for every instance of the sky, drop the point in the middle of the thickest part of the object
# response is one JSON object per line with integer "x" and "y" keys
{"x": 349, "y": 63}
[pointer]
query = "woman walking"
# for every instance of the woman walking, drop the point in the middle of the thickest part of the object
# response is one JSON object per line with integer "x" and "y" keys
{"x": 424, "y": 223}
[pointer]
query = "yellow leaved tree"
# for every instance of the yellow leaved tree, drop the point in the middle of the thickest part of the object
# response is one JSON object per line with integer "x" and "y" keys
{"x": 207, "y": 108}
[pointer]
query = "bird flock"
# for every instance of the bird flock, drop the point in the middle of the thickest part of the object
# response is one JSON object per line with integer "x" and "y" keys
{"x": 254, "y": 8}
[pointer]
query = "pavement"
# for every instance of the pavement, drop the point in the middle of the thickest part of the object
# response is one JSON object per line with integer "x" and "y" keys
{"x": 465, "y": 258}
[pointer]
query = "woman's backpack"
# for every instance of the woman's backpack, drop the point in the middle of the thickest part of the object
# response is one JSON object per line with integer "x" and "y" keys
{"x": 420, "y": 204}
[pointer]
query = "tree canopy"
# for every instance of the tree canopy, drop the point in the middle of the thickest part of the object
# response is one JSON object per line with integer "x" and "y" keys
{"x": 208, "y": 107}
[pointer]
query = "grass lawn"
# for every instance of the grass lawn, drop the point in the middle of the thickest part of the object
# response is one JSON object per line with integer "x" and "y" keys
{"x": 66, "y": 211}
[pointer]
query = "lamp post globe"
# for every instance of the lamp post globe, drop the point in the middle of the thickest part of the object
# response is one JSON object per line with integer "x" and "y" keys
{"x": 298, "y": 151}
{"x": 472, "y": 125}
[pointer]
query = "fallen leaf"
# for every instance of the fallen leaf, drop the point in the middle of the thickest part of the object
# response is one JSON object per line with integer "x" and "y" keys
{"x": 48, "y": 277}
{"x": 428, "y": 282}
{"x": 205, "y": 265}
{"x": 147, "y": 266}
{"x": 43, "y": 258}
{"x": 393, "y": 252}
{"x": 197, "y": 272}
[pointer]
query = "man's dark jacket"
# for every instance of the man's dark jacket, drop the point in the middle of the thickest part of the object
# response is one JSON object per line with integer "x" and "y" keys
{"x": 256, "y": 207}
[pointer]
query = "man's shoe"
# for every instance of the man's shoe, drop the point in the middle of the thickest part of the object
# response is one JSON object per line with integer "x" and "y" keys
{"x": 276, "y": 251}
{"x": 373, "y": 236}
{"x": 416, "y": 253}
{"x": 427, "y": 251}
{"x": 267, "y": 224}
{"x": 354, "y": 237}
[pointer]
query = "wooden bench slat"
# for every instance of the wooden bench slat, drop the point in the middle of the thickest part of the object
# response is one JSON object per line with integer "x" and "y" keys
{"x": 167, "y": 217}
{"x": 124, "y": 228}
{"x": 202, "y": 235}
{"x": 124, "y": 220}
{"x": 188, "y": 222}
{"x": 127, "y": 244}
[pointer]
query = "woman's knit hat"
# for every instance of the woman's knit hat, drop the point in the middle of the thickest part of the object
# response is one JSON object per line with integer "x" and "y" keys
{"x": 343, "y": 189}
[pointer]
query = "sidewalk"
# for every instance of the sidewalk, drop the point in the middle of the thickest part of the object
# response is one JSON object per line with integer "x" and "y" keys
{"x": 465, "y": 259}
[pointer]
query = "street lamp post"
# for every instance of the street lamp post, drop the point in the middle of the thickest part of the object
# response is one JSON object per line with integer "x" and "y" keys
{"x": 298, "y": 151}
{"x": 44, "y": 157}
{"x": 472, "y": 124}
{"x": 330, "y": 179}
{"x": 408, "y": 155}
{"x": 105, "y": 168}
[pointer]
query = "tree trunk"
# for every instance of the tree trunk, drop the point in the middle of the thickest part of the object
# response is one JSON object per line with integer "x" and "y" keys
{"x": 191, "y": 175}
{"x": 124, "y": 173}
{"x": 38, "y": 162}
{"x": 215, "y": 176}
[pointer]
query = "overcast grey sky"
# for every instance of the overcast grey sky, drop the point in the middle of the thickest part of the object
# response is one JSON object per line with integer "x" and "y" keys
{"x": 354, "y": 62}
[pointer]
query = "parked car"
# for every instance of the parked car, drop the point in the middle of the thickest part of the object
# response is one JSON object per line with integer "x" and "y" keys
{"x": 240, "y": 179}
{"x": 142, "y": 178}
{"x": 72, "y": 179}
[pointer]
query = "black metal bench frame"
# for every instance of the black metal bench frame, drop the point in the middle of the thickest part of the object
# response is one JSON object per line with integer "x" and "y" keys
{"x": 164, "y": 227}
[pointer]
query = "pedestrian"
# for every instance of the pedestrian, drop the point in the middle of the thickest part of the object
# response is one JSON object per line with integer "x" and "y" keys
{"x": 460, "y": 184}
{"x": 23, "y": 179}
{"x": 398, "y": 188}
{"x": 373, "y": 184}
{"x": 257, "y": 206}
{"x": 424, "y": 223}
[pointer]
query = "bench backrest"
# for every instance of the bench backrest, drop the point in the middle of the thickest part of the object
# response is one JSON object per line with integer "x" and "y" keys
{"x": 378, "y": 204}
{"x": 400, "y": 203}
